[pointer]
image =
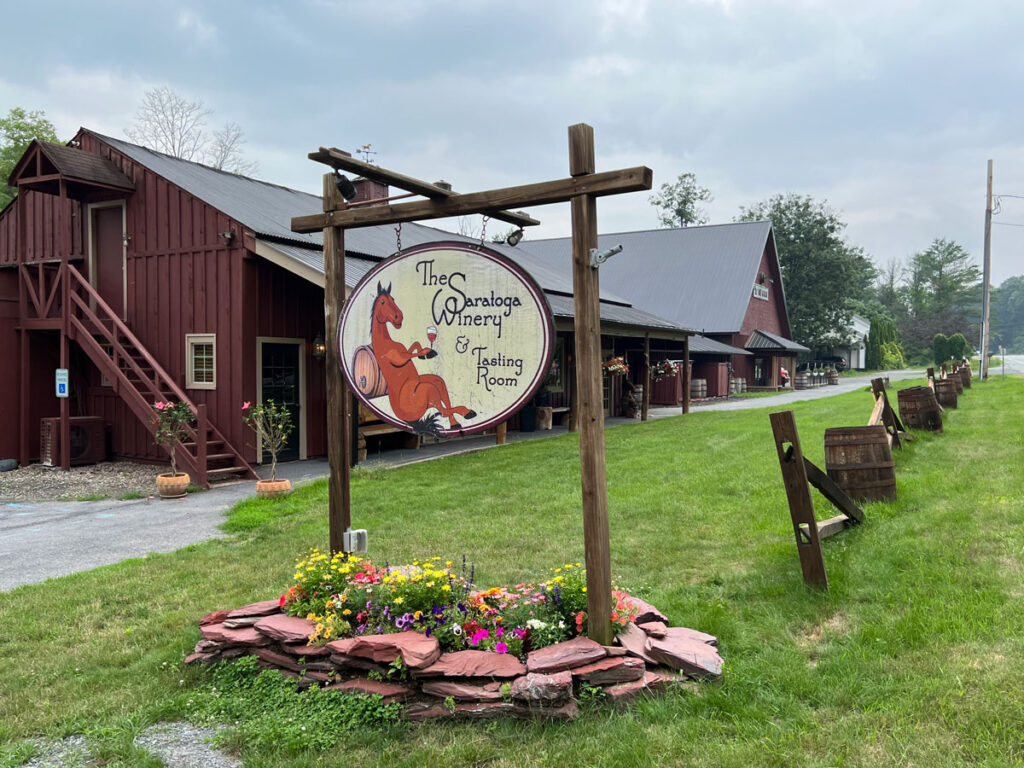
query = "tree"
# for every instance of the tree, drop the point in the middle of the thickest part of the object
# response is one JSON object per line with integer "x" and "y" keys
{"x": 678, "y": 202}
{"x": 824, "y": 277}
{"x": 17, "y": 131}
{"x": 940, "y": 348}
{"x": 1008, "y": 313}
{"x": 170, "y": 123}
{"x": 942, "y": 292}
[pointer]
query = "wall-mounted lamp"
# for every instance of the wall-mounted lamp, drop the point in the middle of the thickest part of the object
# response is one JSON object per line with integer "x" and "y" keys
{"x": 229, "y": 236}
{"x": 760, "y": 277}
{"x": 345, "y": 187}
{"x": 319, "y": 348}
{"x": 514, "y": 238}
{"x": 125, "y": 239}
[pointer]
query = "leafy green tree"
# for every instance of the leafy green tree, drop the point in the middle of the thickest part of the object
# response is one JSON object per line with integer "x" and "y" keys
{"x": 824, "y": 276}
{"x": 17, "y": 130}
{"x": 942, "y": 291}
{"x": 958, "y": 347}
{"x": 882, "y": 338}
{"x": 678, "y": 202}
{"x": 1007, "y": 313}
{"x": 940, "y": 348}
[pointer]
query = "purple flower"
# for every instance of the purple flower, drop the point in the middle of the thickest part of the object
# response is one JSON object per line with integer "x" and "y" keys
{"x": 500, "y": 647}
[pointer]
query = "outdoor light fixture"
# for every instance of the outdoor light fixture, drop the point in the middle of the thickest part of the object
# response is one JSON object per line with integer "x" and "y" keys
{"x": 319, "y": 348}
{"x": 760, "y": 277}
{"x": 345, "y": 187}
{"x": 125, "y": 239}
{"x": 514, "y": 238}
{"x": 229, "y": 236}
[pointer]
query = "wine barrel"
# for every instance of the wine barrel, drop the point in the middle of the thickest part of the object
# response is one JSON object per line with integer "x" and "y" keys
{"x": 859, "y": 460}
{"x": 957, "y": 382}
{"x": 919, "y": 409}
{"x": 802, "y": 380}
{"x": 369, "y": 381}
{"x": 698, "y": 388}
{"x": 743, "y": 385}
{"x": 965, "y": 376}
{"x": 832, "y": 376}
{"x": 945, "y": 392}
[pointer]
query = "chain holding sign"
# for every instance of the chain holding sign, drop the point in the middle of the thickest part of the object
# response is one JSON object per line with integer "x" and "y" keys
{"x": 446, "y": 338}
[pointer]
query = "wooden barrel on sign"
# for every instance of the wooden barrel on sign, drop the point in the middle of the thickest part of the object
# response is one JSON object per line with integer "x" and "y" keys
{"x": 832, "y": 376}
{"x": 802, "y": 380}
{"x": 859, "y": 460}
{"x": 919, "y": 409}
{"x": 369, "y": 381}
{"x": 945, "y": 392}
{"x": 698, "y": 388}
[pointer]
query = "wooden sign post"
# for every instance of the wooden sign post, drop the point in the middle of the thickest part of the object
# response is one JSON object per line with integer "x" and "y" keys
{"x": 797, "y": 473}
{"x": 582, "y": 189}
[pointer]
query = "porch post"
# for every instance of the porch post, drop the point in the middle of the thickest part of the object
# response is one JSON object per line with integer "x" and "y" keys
{"x": 686, "y": 374}
{"x": 646, "y": 406}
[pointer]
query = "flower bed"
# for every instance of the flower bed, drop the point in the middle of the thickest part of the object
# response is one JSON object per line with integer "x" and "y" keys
{"x": 422, "y": 634}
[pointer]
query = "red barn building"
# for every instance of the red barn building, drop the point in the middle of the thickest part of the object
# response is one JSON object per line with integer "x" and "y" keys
{"x": 153, "y": 278}
{"x": 723, "y": 280}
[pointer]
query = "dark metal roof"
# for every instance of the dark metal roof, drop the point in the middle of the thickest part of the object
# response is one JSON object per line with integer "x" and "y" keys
{"x": 699, "y": 277}
{"x": 703, "y": 345}
{"x": 773, "y": 343}
{"x": 74, "y": 164}
{"x": 268, "y": 209}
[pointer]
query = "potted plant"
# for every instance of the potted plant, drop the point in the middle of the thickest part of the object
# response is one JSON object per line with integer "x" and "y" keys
{"x": 272, "y": 423}
{"x": 615, "y": 367}
{"x": 172, "y": 421}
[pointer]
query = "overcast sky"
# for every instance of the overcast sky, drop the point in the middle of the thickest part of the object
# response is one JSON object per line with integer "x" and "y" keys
{"x": 888, "y": 110}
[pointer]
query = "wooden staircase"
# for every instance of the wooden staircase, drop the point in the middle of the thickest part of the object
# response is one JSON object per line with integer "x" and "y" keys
{"x": 139, "y": 380}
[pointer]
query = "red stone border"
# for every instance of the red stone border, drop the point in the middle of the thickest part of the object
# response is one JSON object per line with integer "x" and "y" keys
{"x": 649, "y": 656}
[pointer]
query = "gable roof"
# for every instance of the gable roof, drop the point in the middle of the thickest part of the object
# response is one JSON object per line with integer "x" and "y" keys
{"x": 773, "y": 343}
{"x": 699, "y": 277}
{"x": 73, "y": 165}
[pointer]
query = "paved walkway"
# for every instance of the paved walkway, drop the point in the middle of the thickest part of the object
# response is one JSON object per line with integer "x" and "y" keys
{"x": 39, "y": 541}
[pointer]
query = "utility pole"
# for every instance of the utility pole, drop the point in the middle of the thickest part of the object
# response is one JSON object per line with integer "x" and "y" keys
{"x": 987, "y": 279}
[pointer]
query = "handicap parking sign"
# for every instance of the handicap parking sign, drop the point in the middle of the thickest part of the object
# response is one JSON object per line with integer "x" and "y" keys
{"x": 62, "y": 382}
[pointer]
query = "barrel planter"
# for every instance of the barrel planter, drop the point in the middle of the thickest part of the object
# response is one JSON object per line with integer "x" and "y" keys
{"x": 859, "y": 460}
{"x": 832, "y": 377}
{"x": 698, "y": 388}
{"x": 945, "y": 392}
{"x": 802, "y": 380}
{"x": 367, "y": 375}
{"x": 965, "y": 376}
{"x": 919, "y": 409}
{"x": 957, "y": 382}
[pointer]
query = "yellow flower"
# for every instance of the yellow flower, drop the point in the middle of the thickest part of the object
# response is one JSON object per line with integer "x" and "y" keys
{"x": 346, "y": 612}
{"x": 584, "y": 589}
{"x": 448, "y": 563}
{"x": 558, "y": 570}
{"x": 329, "y": 605}
{"x": 399, "y": 600}
{"x": 446, "y": 588}
{"x": 310, "y": 616}
{"x": 430, "y": 583}
{"x": 417, "y": 614}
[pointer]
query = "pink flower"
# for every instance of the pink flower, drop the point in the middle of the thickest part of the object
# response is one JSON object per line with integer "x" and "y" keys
{"x": 500, "y": 647}
{"x": 246, "y": 404}
{"x": 160, "y": 405}
{"x": 499, "y": 632}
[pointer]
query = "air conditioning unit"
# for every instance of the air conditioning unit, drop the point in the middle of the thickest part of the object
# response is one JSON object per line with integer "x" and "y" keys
{"x": 88, "y": 440}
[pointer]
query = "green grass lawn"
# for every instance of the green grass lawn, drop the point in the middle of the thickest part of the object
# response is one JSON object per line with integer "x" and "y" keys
{"x": 914, "y": 657}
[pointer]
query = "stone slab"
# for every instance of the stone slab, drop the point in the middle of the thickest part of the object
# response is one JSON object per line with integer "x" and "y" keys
{"x": 474, "y": 664}
{"x": 286, "y": 629}
{"x": 561, "y": 656}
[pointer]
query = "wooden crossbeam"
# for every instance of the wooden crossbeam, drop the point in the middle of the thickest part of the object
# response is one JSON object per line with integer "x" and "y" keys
{"x": 893, "y": 426}
{"x": 343, "y": 161}
{"x": 828, "y": 488}
{"x": 491, "y": 202}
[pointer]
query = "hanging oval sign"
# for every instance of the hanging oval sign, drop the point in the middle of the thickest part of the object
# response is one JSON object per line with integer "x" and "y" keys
{"x": 446, "y": 338}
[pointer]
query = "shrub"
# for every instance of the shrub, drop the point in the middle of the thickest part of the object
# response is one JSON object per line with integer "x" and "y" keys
{"x": 940, "y": 349}
{"x": 173, "y": 426}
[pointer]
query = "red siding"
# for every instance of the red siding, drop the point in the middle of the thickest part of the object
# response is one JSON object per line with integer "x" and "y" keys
{"x": 286, "y": 306}
{"x": 42, "y": 240}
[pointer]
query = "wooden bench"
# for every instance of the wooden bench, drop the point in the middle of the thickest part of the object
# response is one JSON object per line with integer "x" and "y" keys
{"x": 372, "y": 427}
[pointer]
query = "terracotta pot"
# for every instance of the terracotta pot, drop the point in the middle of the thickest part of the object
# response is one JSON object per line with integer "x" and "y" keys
{"x": 172, "y": 486}
{"x": 271, "y": 489}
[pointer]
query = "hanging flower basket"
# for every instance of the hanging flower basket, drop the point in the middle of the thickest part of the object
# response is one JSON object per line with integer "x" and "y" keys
{"x": 615, "y": 367}
{"x": 664, "y": 370}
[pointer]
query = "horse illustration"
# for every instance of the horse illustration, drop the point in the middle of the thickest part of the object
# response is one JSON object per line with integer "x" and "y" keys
{"x": 410, "y": 392}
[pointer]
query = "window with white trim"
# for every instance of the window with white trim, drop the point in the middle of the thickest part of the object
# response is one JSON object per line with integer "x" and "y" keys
{"x": 201, "y": 360}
